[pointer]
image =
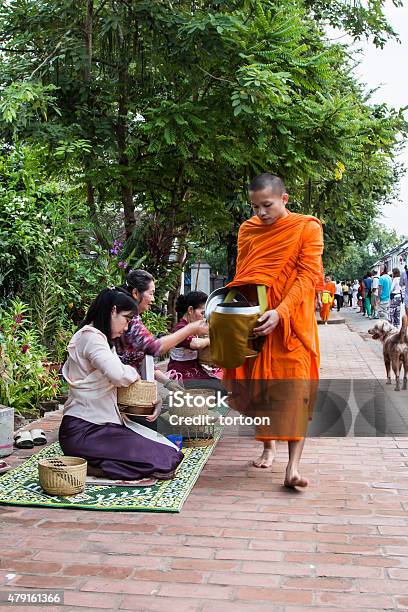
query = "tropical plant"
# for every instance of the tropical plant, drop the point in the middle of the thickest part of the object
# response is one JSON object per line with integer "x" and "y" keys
{"x": 64, "y": 331}
{"x": 49, "y": 254}
{"x": 155, "y": 322}
{"x": 24, "y": 381}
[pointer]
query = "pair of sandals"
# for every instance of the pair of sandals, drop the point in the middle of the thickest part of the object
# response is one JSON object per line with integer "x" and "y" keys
{"x": 4, "y": 467}
{"x": 30, "y": 438}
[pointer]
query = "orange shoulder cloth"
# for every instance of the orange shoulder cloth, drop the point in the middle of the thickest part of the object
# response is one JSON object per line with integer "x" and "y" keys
{"x": 265, "y": 250}
{"x": 286, "y": 257}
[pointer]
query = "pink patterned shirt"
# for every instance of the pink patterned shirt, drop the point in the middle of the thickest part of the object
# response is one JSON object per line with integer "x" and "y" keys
{"x": 137, "y": 342}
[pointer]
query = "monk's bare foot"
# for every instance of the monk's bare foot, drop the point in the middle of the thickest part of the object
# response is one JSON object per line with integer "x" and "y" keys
{"x": 294, "y": 479}
{"x": 266, "y": 459}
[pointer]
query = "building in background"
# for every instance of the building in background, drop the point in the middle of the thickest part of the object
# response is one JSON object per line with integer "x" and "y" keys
{"x": 200, "y": 278}
{"x": 395, "y": 258}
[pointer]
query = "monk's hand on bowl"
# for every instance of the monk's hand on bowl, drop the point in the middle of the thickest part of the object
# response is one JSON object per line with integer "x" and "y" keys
{"x": 156, "y": 412}
{"x": 269, "y": 320}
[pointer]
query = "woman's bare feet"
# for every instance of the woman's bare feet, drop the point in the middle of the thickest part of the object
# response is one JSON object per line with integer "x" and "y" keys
{"x": 266, "y": 459}
{"x": 294, "y": 479}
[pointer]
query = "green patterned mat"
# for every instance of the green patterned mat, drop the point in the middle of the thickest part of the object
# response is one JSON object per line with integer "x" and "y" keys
{"x": 21, "y": 487}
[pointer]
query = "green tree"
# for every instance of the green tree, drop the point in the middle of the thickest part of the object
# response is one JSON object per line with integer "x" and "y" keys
{"x": 359, "y": 258}
{"x": 162, "y": 111}
{"x": 49, "y": 255}
{"x": 359, "y": 19}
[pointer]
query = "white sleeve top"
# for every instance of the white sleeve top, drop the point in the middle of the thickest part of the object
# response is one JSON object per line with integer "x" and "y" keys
{"x": 94, "y": 371}
{"x": 374, "y": 287}
{"x": 396, "y": 287}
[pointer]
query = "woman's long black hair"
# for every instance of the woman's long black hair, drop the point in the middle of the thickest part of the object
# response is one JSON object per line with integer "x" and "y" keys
{"x": 100, "y": 311}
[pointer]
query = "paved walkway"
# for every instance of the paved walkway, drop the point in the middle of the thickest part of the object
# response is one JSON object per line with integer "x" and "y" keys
{"x": 242, "y": 542}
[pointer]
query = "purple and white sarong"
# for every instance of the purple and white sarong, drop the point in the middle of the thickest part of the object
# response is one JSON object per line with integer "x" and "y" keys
{"x": 118, "y": 450}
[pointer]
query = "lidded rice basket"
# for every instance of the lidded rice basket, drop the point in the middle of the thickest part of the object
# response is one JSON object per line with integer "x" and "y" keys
{"x": 139, "y": 398}
{"x": 62, "y": 475}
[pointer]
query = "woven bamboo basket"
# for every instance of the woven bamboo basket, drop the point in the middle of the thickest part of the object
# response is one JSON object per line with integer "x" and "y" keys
{"x": 195, "y": 435}
{"x": 136, "y": 410}
{"x": 140, "y": 393}
{"x": 62, "y": 475}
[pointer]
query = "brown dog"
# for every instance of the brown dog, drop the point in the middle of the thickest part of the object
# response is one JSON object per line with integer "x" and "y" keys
{"x": 395, "y": 349}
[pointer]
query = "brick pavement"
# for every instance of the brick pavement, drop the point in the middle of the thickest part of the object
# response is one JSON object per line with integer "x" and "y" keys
{"x": 242, "y": 542}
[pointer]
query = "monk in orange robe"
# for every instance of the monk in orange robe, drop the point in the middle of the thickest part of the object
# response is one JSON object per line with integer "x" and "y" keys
{"x": 327, "y": 298}
{"x": 283, "y": 251}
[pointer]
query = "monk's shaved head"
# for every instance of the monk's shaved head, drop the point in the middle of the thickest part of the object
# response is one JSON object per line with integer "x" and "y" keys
{"x": 266, "y": 180}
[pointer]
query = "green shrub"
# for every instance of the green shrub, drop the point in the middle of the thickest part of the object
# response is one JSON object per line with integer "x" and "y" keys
{"x": 155, "y": 322}
{"x": 24, "y": 381}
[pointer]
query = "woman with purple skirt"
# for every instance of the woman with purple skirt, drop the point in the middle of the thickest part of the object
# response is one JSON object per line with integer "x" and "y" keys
{"x": 92, "y": 426}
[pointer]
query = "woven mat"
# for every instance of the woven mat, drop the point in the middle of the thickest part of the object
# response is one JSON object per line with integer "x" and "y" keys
{"x": 20, "y": 487}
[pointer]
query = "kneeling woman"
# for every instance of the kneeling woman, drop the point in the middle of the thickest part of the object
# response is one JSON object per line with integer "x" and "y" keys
{"x": 184, "y": 357}
{"x": 92, "y": 426}
{"x": 137, "y": 342}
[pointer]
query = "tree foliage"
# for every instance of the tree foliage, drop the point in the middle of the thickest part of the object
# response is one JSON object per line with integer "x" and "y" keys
{"x": 49, "y": 254}
{"x": 359, "y": 258}
{"x": 158, "y": 113}
{"x": 359, "y": 19}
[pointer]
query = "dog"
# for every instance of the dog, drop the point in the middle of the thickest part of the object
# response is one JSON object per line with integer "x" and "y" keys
{"x": 395, "y": 349}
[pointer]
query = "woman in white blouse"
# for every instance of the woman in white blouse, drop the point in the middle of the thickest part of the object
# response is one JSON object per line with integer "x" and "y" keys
{"x": 92, "y": 426}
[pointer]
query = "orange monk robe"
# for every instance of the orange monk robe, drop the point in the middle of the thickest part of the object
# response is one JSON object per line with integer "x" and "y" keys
{"x": 329, "y": 287}
{"x": 319, "y": 282}
{"x": 286, "y": 257}
{"x": 320, "y": 279}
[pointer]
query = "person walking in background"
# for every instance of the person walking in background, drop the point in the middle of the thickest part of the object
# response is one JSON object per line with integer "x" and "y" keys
{"x": 404, "y": 287}
{"x": 338, "y": 296}
{"x": 395, "y": 299}
{"x": 374, "y": 295}
{"x": 384, "y": 293}
{"x": 327, "y": 298}
{"x": 368, "y": 281}
{"x": 361, "y": 296}
{"x": 355, "y": 289}
{"x": 345, "y": 290}
{"x": 350, "y": 293}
